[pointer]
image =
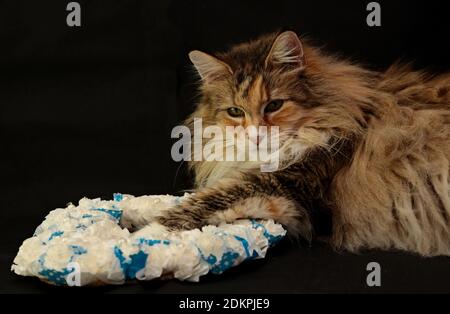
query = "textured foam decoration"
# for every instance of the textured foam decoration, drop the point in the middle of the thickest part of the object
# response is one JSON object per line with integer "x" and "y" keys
{"x": 92, "y": 242}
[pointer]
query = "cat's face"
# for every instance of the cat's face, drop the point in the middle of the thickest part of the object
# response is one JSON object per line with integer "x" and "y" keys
{"x": 255, "y": 84}
{"x": 277, "y": 81}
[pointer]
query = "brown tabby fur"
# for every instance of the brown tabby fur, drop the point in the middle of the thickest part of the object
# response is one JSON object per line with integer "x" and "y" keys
{"x": 373, "y": 148}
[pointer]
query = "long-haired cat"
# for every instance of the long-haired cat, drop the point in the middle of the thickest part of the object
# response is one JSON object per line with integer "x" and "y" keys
{"x": 373, "y": 148}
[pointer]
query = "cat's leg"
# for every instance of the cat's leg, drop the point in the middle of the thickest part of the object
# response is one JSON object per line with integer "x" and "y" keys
{"x": 254, "y": 196}
{"x": 138, "y": 212}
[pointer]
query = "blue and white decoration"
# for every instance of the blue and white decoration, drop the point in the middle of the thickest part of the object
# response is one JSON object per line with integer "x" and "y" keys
{"x": 95, "y": 237}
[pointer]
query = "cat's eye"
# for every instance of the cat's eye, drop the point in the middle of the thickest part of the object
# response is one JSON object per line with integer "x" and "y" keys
{"x": 235, "y": 112}
{"x": 273, "y": 106}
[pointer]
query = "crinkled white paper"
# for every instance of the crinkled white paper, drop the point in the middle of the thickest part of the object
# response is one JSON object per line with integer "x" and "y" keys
{"x": 91, "y": 243}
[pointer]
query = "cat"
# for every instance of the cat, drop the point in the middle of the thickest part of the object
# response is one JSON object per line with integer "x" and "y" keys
{"x": 371, "y": 148}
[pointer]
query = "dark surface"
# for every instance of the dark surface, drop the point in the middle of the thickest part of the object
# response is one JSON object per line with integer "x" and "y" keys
{"x": 88, "y": 112}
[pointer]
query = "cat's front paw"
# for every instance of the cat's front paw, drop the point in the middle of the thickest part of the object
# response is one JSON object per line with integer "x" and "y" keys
{"x": 179, "y": 220}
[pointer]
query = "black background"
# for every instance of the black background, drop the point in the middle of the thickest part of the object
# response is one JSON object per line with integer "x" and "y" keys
{"x": 88, "y": 111}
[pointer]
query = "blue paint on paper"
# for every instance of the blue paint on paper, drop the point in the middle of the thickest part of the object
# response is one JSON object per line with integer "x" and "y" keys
{"x": 138, "y": 262}
{"x": 81, "y": 226}
{"x": 58, "y": 277}
{"x": 225, "y": 263}
{"x": 246, "y": 247}
{"x": 133, "y": 265}
{"x": 78, "y": 250}
{"x": 117, "y": 214}
{"x": 119, "y": 254}
{"x": 212, "y": 259}
{"x": 118, "y": 197}
{"x": 55, "y": 234}
{"x": 151, "y": 242}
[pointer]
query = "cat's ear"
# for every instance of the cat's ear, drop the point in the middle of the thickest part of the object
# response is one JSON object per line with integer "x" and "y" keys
{"x": 287, "y": 49}
{"x": 208, "y": 67}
